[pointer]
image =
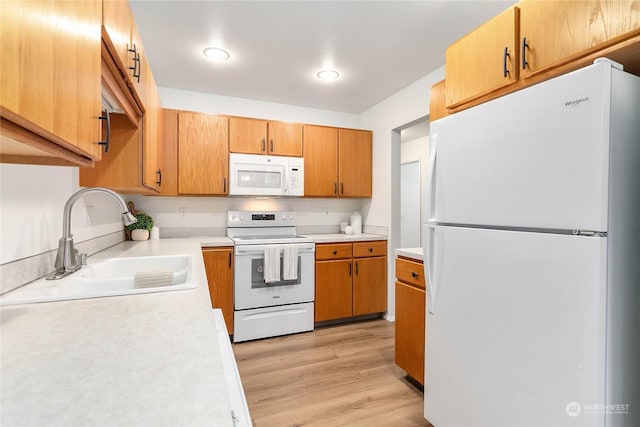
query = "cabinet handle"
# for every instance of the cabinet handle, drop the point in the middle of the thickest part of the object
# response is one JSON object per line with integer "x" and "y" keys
{"x": 525, "y": 45}
{"x": 342, "y": 188}
{"x": 504, "y": 62}
{"x": 107, "y": 134}
{"x": 335, "y": 188}
{"x": 349, "y": 269}
{"x": 414, "y": 274}
{"x": 272, "y": 145}
{"x": 159, "y": 175}
{"x": 224, "y": 185}
{"x": 136, "y": 63}
{"x": 229, "y": 259}
{"x": 370, "y": 249}
{"x": 335, "y": 252}
{"x": 356, "y": 268}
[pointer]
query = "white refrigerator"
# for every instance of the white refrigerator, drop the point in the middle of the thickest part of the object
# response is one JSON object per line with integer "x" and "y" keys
{"x": 532, "y": 257}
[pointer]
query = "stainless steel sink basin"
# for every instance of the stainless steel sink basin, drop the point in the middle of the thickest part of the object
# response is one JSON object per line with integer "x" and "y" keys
{"x": 111, "y": 277}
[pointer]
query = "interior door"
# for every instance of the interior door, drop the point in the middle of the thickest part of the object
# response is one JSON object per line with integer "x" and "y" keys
{"x": 515, "y": 327}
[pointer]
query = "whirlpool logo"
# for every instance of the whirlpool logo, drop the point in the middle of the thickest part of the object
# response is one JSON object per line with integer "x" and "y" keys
{"x": 576, "y": 102}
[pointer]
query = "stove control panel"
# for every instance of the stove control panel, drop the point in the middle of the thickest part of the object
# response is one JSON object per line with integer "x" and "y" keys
{"x": 261, "y": 218}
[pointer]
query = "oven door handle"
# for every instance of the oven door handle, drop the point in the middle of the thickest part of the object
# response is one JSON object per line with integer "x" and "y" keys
{"x": 259, "y": 249}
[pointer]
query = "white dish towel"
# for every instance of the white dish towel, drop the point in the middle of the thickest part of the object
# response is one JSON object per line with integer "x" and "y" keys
{"x": 290, "y": 262}
{"x": 271, "y": 264}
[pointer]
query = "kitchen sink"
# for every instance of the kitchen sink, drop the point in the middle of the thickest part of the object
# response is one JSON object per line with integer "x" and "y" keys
{"x": 110, "y": 277}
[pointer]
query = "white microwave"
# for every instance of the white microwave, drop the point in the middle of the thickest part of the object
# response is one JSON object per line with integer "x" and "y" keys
{"x": 258, "y": 175}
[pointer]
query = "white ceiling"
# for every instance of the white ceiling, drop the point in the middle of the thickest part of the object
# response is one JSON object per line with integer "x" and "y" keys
{"x": 277, "y": 47}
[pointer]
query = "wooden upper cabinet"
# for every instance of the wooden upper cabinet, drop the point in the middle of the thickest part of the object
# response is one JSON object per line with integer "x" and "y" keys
{"x": 437, "y": 101}
{"x": 117, "y": 21}
{"x": 141, "y": 69}
{"x": 484, "y": 60}
{"x": 285, "y": 139}
{"x": 320, "y": 161}
{"x": 203, "y": 154}
{"x": 355, "y": 160}
{"x": 50, "y": 86}
{"x": 247, "y": 135}
{"x": 560, "y": 31}
{"x": 256, "y": 136}
{"x": 152, "y": 145}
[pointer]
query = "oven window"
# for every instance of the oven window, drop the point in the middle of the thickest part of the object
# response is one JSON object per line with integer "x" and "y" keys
{"x": 257, "y": 276}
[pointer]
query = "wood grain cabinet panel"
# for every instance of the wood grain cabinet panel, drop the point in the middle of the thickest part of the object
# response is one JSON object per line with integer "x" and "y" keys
{"x": 369, "y": 249}
{"x": 50, "y": 67}
{"x": 369, "y": 285}
{"x": 410, "y": 330}
{"x": 247, "y": 135}
{"x": 256, "y": 136}
{"x": 484, "y": 60}
{"x": 203, "y": 154}
{"x": 560, "y": 31}
{"x": 218, "y": 263}
{"x": 347, "y": 285}
{"x": 355, "y": 162}
{"x": 333, "y": 298}
{"x": 285, "y": 139}
{"x": 410, "y": 317}
{"x": 117, "y": 21}
{"x": 320, "y": 161}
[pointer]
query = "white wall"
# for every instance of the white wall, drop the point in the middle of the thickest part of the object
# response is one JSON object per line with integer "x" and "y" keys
{"x": 32, "y": 199}
{"x": 384, "y": 118}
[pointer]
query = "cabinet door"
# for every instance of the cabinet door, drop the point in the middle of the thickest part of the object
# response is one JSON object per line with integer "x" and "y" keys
{"x": 355, "y": 157}
{"x": 138, "y": 61}
{"x": 320, "y": 161}
{"x": 203, "y": 154}
{"x": 218, "y": 263}
{"x": 370, "y": 285}
{"x": 50, "y": 67}
{"x": 410, "y": 324}
{"x": 285, "y": 139}
{"x": 333, "y": 290}
{"x": 559, "y": 31}
{"x": 476, "y": 64}
{"x": 169, "y": 152}
{"x": 247, "y": 135}
{"x": 152, "y": 141}
{"x": 117, "y": 21}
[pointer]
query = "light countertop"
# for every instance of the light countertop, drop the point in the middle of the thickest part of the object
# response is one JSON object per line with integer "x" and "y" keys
{"x": 147, "y": 359}
{"x": 414, "y": 253}
{"x": 339, "y": 237}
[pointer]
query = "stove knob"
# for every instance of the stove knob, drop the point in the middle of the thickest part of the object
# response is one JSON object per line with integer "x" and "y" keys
{"x": 291, "y": 217}
{"x": 234, "y": 217}
{"x": 284, "y": 217}
{"x": 241, "y": 217}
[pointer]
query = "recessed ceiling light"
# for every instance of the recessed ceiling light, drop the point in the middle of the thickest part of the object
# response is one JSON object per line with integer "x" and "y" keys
{"x": 216, "y": 54}
{"x": 328, "y": 75}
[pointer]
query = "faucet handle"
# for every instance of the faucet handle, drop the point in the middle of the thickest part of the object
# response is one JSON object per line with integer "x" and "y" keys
{"x": 82, "y": 259}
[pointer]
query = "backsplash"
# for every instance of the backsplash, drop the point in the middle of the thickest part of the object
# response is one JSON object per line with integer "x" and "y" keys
{"x": 20, "y": 272}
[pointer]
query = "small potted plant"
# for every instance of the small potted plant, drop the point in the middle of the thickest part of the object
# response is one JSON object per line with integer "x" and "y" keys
{"x": 140, "y": 229}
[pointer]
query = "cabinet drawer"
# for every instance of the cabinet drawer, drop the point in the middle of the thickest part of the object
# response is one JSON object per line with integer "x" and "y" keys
{"x": 368, "y": 249}
{"x": 410, "y": 272}
{"x": 333, "y": 251}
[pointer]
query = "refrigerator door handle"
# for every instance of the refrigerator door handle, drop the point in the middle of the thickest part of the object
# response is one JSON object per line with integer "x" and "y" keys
{"x": 431, "y": 184}
{"x": 429, "y": 266}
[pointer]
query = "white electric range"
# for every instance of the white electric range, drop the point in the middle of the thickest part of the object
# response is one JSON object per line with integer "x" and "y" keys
{"x": 272, "y": 297}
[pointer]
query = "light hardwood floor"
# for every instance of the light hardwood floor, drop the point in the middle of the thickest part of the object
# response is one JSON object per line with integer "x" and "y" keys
{"x": 334, "y": 376}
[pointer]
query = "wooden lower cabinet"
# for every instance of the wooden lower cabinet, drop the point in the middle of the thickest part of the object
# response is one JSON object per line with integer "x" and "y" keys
{"x": 410, "y": 318}
{"x": 218, "y": 263}
{"x": 351, "y": 279}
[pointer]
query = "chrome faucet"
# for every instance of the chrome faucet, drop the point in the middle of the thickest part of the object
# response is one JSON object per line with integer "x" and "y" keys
{"x": 67, "y": 259}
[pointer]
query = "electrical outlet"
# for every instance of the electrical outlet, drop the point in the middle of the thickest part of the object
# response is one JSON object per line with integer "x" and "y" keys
{"x": 182, "y": 212}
